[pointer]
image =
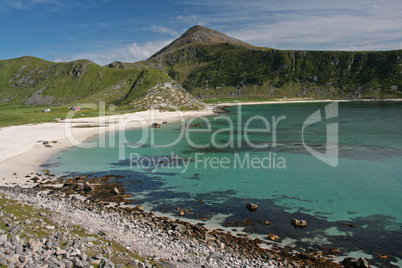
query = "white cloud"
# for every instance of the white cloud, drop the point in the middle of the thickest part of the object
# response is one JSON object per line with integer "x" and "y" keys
{"x": 130, "y": 53}
{"x": 164, "y": 30}
{"x": 312, "y": 24}
{"x": 319, "y": 32}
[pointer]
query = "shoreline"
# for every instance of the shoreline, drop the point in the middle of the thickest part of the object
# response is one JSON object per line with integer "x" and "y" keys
{"x": 25, "y": 147}
{"x": 287, "y": 101}
{"x": 27, "y": 152}
{"x": 282, "y": 101}
{"x": 175, "y": 242}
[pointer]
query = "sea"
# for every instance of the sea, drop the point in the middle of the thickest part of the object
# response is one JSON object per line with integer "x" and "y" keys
{"x": 336, "y": 165}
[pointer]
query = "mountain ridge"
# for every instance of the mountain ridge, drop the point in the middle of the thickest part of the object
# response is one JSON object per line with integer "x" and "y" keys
{"x": 207, "y": 64}
{"x": 198, "y": 35}
{"x": 227, "y": 69}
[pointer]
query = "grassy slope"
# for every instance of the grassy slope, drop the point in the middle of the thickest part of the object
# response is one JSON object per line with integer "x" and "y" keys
{"x": 222, "y": 70}
{"x": 28, "y": 85}
{"x": 33, "y": 81}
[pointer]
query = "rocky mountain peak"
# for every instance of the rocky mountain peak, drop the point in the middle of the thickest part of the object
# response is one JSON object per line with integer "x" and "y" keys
{"x": 199, "y": 35}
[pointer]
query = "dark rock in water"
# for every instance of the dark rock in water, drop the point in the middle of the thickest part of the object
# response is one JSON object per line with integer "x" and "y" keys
{"x": 139, "y": 207}
{"x": 383, "y": 256}
{"x": 155, "y": 125}
{"x": 298, "y": 223}
{"x": 362, "y": 263}
{"x": 251, "y": 207}
{"x": 349, "y": 224}
{"x": 350, "y": 262}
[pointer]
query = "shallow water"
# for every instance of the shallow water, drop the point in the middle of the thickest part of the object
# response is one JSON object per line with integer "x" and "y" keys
{"x": 269, "y": 165}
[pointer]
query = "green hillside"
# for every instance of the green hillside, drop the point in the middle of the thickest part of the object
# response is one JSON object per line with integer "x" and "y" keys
{"x": 224, "y": 70}
{"x": 31, "y": 81}
{"x": 206, "y": 64}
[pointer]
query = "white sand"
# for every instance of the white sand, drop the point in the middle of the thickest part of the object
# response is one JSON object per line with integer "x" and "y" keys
{"x": 22, "y": 149}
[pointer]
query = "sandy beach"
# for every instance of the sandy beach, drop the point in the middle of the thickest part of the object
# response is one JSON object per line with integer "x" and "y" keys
{"x": 25, "y": 147}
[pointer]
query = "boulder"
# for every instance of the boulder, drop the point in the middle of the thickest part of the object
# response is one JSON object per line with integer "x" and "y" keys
{"x": 116, "y": 191}
{"x": 273, "y": 237}
{"x": 350, "y": 262}
{"x": 251, "y": 207}
{"x": 298, "y": 223}
{"x": 3, "y": 238}
{"x": 139, "y": 207}
{"x": 362, "y": 263}
{"x": 88, "y": 187}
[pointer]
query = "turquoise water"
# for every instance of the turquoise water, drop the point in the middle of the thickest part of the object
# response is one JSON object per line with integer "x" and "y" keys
{"x": 270, "y": 167}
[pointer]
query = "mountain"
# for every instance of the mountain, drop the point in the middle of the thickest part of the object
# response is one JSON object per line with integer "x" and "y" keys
{"x": 211, "y": 64}
{"x": 33, "y": 81}
{"x": 206, "y": 64}
{"x": 198, "y": 35}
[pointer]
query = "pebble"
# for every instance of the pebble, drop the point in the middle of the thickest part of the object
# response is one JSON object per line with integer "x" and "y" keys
{"x": 138, "y": 234}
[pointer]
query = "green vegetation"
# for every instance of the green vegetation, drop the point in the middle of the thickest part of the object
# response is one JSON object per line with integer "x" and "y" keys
{"x": 225, "y": 70}
{"x": 33, "y": 82}
{"x": 28, "y": 85}
{"x": 207, "y": 64}
{"x": 18, "y": 115}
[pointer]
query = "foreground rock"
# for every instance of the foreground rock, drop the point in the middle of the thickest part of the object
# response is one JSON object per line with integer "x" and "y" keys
{"x": 158, "y": 240}
{"x": 355, "y": 263}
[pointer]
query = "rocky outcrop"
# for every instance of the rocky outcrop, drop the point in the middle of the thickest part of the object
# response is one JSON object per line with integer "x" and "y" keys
{"x": 220, "y": 109}
{"x": 167, "y": 96}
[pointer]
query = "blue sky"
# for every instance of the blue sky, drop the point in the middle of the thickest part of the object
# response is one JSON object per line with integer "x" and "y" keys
{"x": 129, "y": 30}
